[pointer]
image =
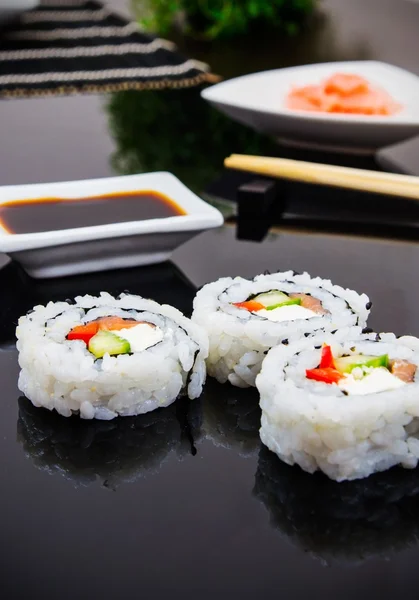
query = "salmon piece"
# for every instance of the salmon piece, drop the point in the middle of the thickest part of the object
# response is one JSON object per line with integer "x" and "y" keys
{"x": 87, "y": 331}
{"x": 403, "y": 369}
{"x": 311, "y": 303}
{"x": 115, "y": 323}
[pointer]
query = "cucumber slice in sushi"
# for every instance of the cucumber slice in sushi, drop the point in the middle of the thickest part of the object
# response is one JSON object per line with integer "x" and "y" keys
{"x": 275, "y": 299}
{"x": 105, "y": 342}
{"x": 346, "y": 364}
{"x": 240, "y": 336}
{"x": 288, "y": 302}
{"x": 351, "y": 429}
{"x": 151, "y": 354}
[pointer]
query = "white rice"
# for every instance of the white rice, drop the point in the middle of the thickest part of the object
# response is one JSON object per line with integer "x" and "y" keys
{"x": 314, "y": 425}
{"x": 63, "y": 375}
{"x": 239, "y": 340}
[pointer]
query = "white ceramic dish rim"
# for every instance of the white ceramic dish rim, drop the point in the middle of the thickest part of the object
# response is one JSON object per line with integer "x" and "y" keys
{"x": 201, "y": 215}
{"x": 396, "y": 119}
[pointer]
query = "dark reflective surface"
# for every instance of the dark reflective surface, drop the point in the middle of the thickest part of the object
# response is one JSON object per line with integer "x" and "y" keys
{"x": 231, "y": 417}
{"x": 20, "y": 292}
{"x": 109, "y": 453}
{"x": 146, "y": 128}
{"x": 176, "y": 131}
{"x": 347, "y": 523}
{"x": 182, "y": 503}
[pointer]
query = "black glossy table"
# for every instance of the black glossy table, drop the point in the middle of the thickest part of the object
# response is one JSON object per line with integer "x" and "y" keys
{"x": 184, "y": 502}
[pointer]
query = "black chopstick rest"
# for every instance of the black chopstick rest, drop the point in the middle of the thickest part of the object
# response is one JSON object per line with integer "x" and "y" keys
{"x": 257, "y": 202}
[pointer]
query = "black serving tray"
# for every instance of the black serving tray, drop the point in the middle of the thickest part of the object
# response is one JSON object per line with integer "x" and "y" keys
{"x": 185, "y": 502}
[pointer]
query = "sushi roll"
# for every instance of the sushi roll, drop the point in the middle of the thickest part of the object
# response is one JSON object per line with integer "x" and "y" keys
{"x": 348, "y": 407}
{"x": 101, "y": 357}
{"x": 245, "y": 318}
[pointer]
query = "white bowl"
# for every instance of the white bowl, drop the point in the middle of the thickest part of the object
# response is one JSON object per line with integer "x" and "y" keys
{"x": 258, "y": 100}
{"x": 85, "y": 249}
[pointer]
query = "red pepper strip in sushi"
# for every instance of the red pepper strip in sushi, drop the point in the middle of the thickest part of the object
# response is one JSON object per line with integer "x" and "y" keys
{"x": 326, "y": 370}
{"x": 327, "y": 375}
{"x": 250, "y": 305}
{"x": 327, "y": 358}
{"x": 86, "y": 332}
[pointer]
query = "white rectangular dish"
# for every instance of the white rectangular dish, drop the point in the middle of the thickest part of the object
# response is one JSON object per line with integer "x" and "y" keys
{"x": 97, "y": 248}
{"x": 259, "y": 101}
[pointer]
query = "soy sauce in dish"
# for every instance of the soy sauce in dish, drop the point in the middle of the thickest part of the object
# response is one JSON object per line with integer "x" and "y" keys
{"x": 52, "y": 214}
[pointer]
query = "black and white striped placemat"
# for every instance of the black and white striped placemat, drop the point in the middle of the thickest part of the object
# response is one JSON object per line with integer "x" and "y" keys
{"x": 67, "y": 47}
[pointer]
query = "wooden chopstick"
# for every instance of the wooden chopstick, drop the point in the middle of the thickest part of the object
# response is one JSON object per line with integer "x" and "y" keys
{"x": 345, "y": 177}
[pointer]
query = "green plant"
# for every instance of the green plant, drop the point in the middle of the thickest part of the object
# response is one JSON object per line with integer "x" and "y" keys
{"x": 176, "y": 131}
{"x": 223, "y": 18}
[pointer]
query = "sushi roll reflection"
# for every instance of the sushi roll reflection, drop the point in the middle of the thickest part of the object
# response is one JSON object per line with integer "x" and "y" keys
{"x": 111, "y": 452}
{"x": 244, "y": 319}
{"x": 103, "y": 356}
{"x": 347, "y": 522}
{"x": 347, "y": 406}
{"x": 231, "y": 417}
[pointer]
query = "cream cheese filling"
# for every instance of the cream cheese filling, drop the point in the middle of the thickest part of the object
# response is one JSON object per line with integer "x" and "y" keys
{"x": 141, "y": 337}
{"x": 374, "y": 381}
{"x": 289, "y": 312}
